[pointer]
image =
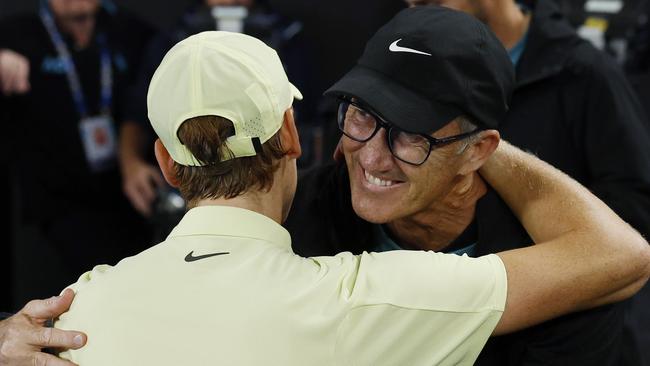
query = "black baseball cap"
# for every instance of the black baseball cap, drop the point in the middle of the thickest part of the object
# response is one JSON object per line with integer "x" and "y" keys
{"x": 429, "y": 65}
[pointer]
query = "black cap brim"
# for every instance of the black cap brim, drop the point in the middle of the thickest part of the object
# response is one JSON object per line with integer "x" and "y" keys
{"x": 399, "y": 105}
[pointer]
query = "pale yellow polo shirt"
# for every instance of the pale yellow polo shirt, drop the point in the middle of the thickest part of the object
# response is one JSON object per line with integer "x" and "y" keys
{"x": 186, "y": 302}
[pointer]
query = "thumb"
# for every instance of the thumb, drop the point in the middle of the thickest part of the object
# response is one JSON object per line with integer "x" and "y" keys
{"x": 49, "y": 308}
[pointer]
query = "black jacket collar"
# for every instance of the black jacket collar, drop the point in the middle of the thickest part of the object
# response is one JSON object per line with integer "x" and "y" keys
{"x": 549, "y": 37}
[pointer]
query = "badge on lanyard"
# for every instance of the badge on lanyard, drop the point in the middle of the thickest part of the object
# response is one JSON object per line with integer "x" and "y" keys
{"x": 97, "y": 132}
{"x": 99, "y": 141}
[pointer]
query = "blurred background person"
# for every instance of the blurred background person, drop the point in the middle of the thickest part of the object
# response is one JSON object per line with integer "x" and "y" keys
{"x": 64, "y": 73}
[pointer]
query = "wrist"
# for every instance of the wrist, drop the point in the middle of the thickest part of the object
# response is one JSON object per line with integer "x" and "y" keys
{"x": 131, "y": 163}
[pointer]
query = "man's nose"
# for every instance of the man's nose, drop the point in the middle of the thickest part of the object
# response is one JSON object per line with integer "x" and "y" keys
{"x": 375, "y": 154}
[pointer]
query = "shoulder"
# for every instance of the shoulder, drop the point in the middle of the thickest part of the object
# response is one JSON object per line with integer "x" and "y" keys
{"x": 454, "y": 283}
{"x": 585, "y": 59}
{"x": 452, "y": 301}
{"x": 15, "y": 30}
{"x": 20, "y": 22}
{"x": 126, "y": 28}
{"x": 596, "y": 77}
{"x": 90, "y": 278}
{"x": 418, "y": 280}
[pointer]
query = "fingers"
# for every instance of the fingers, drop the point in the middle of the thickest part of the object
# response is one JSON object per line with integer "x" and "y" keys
{"x": 56, "y": 338}
{"x": 22, "y": 338}
{"x": 44, "y": 359}
{"x": 137, "y": 199}
{"x": 14, "y": 73}
{"x": 146, "y": 186}
{"x": 22, "y": 77}
{"x": 141, "y": 187}
{"x": 18, "y": 77}
{"x": 157, "y": 177}
{"x": 50, "y": 308}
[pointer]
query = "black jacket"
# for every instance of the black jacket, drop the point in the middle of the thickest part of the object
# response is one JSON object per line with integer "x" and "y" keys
{"x": 573, "y": 108}
{"x": 52, "y": 166}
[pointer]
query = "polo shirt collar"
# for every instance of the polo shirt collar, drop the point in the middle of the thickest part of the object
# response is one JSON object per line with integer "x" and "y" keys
{"x": 231, "y": 221}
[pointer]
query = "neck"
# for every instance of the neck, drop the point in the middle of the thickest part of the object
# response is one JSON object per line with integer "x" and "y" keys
{"x": 258, "y": 202}
{"x": 439, "y": 225}
{"x": 79, "y": 28}
{"x": 272, "y": 203}
{"x": 508, "y": 23}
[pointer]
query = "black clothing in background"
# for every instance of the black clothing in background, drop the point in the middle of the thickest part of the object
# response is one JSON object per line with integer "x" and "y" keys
{"x": 638, "y": 69}
{"x": 83, "y": 214}
{"x": 334, "y": 36}
{"x": 573, "y": 108}
{"x": 336, "y": 32}
{"x": 6, "y": 223}
{"x": 637, "y": 64}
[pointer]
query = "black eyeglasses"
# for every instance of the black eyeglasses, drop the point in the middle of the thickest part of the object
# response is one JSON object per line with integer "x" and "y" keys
{"x": 360, "y": 124}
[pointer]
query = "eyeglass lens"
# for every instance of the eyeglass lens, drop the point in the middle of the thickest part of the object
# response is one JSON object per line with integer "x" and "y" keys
{"x": 361, "y": 126}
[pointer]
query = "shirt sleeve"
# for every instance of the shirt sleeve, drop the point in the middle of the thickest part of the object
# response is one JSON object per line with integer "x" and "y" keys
{"x": 67, "y": 322}
{"x": 421, "y": 308}
{"x": 97, "y": 272}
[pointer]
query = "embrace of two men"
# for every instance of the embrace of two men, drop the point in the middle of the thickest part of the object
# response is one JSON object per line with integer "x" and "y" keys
{"x": 419, "y": 115}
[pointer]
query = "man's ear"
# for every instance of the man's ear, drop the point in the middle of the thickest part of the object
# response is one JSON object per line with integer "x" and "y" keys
{"x": 338, "y": 152}
{"x": 166, "y": 163}
{"x": 289, "y": 136}
{"x": 480, "y": 150}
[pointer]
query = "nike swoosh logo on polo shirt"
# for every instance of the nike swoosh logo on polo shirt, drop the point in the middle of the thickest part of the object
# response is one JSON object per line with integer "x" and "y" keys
{"x": 395, "y": 48}
{"x": 191, "y": 258}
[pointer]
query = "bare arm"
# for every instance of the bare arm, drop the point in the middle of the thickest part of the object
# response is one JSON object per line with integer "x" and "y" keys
{"x": 585, "y": 254}
{"x": 23, "y": 336}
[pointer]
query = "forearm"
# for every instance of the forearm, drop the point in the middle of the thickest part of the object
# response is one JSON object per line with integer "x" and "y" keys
{"x": 549, "y": 203}
{"x": 586, "y": 255}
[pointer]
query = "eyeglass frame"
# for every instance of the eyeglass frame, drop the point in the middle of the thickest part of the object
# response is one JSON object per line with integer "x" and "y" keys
{"x": 380, "y": 122}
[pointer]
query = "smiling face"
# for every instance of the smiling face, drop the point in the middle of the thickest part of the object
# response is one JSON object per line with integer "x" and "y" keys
{"x": 384, "y": 188}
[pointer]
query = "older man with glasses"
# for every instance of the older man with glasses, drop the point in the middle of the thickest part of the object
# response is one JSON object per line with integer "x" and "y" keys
{"x": 413, "y": 184}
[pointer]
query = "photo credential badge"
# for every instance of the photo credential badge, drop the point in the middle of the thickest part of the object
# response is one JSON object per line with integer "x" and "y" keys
{"x": 100, "y": 143}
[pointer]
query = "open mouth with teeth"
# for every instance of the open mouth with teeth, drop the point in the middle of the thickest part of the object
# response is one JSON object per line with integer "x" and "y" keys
{"x": 375, "y": 181}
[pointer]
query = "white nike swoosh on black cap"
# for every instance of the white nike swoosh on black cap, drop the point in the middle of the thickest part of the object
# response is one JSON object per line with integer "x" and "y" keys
{"x": 395, "y": 48}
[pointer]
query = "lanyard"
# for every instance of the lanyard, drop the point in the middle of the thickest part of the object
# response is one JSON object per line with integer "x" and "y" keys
{"x": 106, "y": 71}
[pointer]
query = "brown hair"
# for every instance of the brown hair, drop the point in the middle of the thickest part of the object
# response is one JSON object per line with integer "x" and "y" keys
{"x": 205, "y": 137}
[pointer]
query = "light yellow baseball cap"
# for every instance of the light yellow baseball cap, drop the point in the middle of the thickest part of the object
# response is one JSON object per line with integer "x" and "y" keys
{"x": 230, "y": 75}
